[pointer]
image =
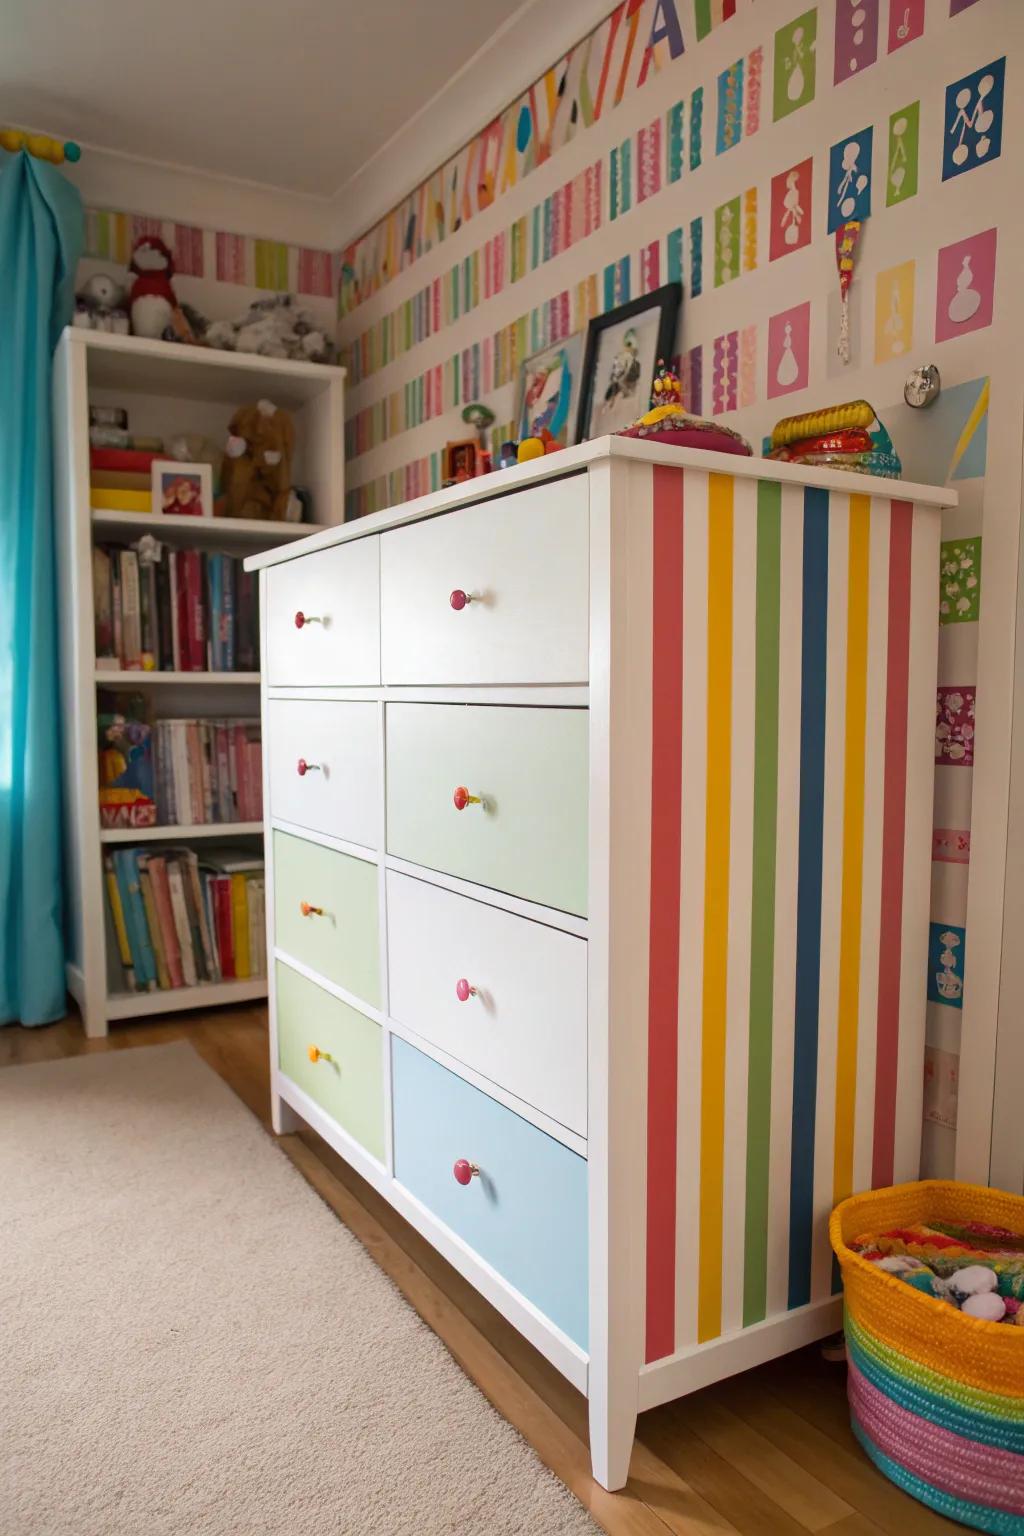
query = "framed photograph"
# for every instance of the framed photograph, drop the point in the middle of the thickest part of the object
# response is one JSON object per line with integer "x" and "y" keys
{"x": 547, "y": 390}
{"x": 182, "y": 490}
{"x": 623, "y": 348}
{"x": 458, "y": 461}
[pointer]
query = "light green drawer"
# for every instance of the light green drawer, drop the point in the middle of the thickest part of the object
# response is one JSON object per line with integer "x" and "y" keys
{"x": 339, "y": 942}
{"x": 349, "y": 1087}
{"x": 529, "y": 766}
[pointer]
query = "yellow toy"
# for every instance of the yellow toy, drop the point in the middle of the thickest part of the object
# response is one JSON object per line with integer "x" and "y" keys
{"x": 530, "y": 448}
{"x": 837, "y": 418}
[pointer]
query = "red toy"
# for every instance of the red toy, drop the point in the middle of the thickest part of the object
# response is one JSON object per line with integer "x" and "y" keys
{"x": 153, "y": 304}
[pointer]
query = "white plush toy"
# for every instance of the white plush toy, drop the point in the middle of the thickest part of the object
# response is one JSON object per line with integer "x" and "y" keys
{"x": 273, "y": 327}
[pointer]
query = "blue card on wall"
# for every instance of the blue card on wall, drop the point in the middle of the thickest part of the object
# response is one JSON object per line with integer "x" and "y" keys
{"x": 849, "y": 179}
{"x": 973, "y": 127}
{"x": 946, "y": 948}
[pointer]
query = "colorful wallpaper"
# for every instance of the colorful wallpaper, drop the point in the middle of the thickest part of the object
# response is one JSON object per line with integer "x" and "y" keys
{"x": 721, "y": 144}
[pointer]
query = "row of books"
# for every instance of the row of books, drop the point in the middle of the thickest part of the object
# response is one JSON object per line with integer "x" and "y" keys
{"x": 169, "y": 773}
{"x": 121, "y": 478}
{"x": 173, "y": 610}
{"x": 177, "y": 918}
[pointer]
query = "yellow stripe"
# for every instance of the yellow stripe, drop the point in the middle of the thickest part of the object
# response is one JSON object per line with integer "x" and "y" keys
{"x": 970, "y": 427}
{"x": 716, "y": 904}
{"x": 853, "y": 843}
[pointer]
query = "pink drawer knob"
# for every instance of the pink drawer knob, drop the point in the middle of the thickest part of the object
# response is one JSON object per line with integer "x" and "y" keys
{"x": 302, "y": 619}
{"x": 465, "y": 1171}
{"x": 302, "y": 767}
{"x": 459, "y": 599}
{"x": 463, "y": 990}
{"x": 462, "y": 797}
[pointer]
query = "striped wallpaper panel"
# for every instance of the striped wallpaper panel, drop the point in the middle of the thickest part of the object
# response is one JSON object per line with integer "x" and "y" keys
{"x": 793, "y": 662}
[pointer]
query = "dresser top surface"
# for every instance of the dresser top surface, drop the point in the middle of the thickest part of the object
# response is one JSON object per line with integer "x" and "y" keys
{"x": 583, "y": 457}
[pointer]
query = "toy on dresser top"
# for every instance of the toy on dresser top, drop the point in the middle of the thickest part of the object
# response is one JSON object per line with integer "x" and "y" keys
{"x": 667, "y": 422}
{"x": 846, "y": 436}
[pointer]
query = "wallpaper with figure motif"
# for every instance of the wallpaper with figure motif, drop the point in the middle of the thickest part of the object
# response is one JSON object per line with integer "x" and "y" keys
{"x": 720, "y": 144}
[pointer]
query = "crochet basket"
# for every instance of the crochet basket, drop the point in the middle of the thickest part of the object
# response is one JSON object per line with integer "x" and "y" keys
{"x": 936, "y": 1397}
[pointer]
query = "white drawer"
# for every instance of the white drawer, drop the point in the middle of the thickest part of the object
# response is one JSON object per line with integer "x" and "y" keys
{"x": 522, "y": 560}
{"x": 338, "y": 747}
{"x": 525, "y": 1027}
{"x": 338, "y": 592}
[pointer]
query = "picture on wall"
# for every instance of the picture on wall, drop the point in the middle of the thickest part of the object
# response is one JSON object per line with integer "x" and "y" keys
{"x": 547, "y": 390}
{"x": 623, "y": 350}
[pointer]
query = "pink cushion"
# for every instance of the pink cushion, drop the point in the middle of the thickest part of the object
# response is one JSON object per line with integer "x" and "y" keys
{"x": 694, "y": 437}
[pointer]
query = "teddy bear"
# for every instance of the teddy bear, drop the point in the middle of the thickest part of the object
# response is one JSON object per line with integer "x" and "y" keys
{"x": 100, "y": 305}
{"x": 256, "y": 477}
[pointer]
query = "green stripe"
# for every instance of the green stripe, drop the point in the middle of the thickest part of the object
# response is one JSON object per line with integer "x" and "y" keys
{"x": 762, "y": 916}
{"x": 995, "y": 1404}
{"x": 703, "y": 18}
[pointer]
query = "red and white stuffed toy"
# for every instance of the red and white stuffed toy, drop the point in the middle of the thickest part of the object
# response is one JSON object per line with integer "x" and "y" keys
{"x": 153, "y": 304}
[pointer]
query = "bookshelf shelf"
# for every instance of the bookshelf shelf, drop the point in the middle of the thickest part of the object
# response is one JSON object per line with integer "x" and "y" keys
{"x": 219, "y": 829}
{"x": 216, "y": 530}
{"x": 167, "y": 390}
{"x": 123, "y": 679}
{"x": 136, "y": 1005}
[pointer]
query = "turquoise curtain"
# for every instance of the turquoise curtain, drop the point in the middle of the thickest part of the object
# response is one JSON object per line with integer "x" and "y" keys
{"x": 41, "y": 237}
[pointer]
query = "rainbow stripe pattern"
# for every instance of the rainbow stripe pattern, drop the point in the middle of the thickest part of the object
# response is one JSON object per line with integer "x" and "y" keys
{"x": 936, "y": 1397}
{"x": 793, "y": 653}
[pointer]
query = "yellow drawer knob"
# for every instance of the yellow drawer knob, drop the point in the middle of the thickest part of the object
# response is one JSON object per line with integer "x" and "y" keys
{"x": 315, "y": 1054}
{"x": 310, "y": 911}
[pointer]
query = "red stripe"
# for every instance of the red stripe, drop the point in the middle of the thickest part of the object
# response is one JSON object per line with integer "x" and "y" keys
{"x": 663, "y": 998}
{"x": 894, "y": 810}
{"x": 728, "y": 9}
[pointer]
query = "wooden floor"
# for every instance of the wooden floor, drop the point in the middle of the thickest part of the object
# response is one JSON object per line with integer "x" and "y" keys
{"x": 769, "y": 1453}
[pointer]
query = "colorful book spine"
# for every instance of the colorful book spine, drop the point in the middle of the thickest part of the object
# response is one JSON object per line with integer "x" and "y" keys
{"x": 124, "y": 948}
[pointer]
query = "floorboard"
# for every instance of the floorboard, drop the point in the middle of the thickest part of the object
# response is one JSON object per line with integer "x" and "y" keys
{"x": 768, "y": 1453}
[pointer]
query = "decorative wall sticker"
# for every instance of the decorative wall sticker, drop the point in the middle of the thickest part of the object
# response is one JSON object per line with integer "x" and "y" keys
{"x": 730, "y": 108}
{"x": 710, "y": 13}
{"x": 755, "y": 69}
{"x": 965, "y": 287}
{"x": 789, "y": 346}
{"x": 901, "y": 163}
{"x": 791, "y": 210}
{"x": 725, "y": 378}
{"x": 973, "y": 128}
{"x": 648, "y": 161}
{"x": 696, "y": 258}
{"x": 750, "y": 229}
{"x": 906, "y": 22}
{"x": 970, "y": 450}
{"x": 894, "y": 312}
{"x": 856, "y": 37}
{"x": 794, "y": 65}
{"x": 847, "y": 237}
{"x": 960, "y": 581}
{"x": 691, "y": 375}
{"x": 954, "y": 726}
{"x": 727, "y": 242}
{"x": 696, "y": 127}
{"x": 748, "y": 366}
{"x": 956, "y": 6}
{"x": 951, "y": 845}
{"x": 946, "y": 959}
{"x": 675, "y": 141}
{"x": 941, "y": 1086}
{"x": 849, "y": 179}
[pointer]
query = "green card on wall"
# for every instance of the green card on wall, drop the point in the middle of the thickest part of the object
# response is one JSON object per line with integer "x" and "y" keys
{"x": 960, "y": 581}
{"x": 901, "y": 168}
{"x": 727, "y": 242}
{"x": 794, "y": 75}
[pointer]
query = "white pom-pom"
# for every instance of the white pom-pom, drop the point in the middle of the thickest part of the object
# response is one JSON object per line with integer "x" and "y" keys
{"x": 266, "y": 407}
{"x": 234, "y": 447}
{"x": 987, "y": 1305}
{"x": 973, "y": 1280}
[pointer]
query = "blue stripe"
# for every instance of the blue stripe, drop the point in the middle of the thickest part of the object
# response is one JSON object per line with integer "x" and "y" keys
{"x": 808, "y": 895}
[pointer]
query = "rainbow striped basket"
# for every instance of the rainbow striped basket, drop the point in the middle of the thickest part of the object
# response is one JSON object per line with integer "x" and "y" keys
{"x": 936, "y": 1397}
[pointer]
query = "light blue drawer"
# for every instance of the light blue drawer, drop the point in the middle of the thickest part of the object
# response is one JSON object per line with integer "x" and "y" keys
{"x": 526, "y": 1213}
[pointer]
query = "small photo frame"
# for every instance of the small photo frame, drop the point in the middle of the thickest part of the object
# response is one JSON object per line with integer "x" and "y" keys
{"x": 547, "y": 390}
{"x": 459, "y": 461}
{"x": 182, "y": 490}
{"x": 623, "y": 348}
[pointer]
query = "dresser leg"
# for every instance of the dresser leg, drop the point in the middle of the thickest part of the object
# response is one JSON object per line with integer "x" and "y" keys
{"x": 612, "y": 1428}
{"x": 283, "y": 1118}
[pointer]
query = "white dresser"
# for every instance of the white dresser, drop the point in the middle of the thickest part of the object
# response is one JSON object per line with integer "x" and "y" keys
{"x": 600, "y": 819}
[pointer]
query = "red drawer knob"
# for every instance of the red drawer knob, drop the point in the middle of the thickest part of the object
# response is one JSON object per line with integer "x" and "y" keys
{"x": 462, "y": 797}
{"x": 310, "y": 911}
{"x": 302, "y": 767}
{"x": 459, "y": 599}
{"x": 463, "y": 990}
{"x": 302, "y": 619}
{"x": 465, "y": 1171}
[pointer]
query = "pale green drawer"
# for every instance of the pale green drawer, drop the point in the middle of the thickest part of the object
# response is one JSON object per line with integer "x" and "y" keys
{"x": 350, "y": 1086}
{"x": 340, "y": 941}
{"x": 528, "y": 766}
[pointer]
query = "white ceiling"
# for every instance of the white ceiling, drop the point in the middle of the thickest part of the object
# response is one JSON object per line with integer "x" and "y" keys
{"x": 291, "y": 94}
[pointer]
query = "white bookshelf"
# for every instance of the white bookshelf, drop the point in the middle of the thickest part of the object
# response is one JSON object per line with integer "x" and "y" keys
{"x": 166, "y": 389}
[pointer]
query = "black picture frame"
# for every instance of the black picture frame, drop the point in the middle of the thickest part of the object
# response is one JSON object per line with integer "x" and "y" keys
{"x": 668, "y": 299}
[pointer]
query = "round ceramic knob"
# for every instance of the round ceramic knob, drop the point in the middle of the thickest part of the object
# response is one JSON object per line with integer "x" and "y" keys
{"x": 310, "y": 911}
{"x": 462, "y": 797}
{"x": 463, "y": 990}
{"x": 459, "y": 599}
{"x": 315, "y": 1054}
{"x": 465, "y": 1171}
{"x": 302, "y": 767}
{"x": 302, "y": 619}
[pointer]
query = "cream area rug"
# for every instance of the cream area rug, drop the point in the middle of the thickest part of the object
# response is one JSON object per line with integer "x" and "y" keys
{"x": 191, "y": 1344}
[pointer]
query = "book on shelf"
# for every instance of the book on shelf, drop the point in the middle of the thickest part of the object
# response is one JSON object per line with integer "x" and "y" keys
{"x": 159, "y": 608}
{"x": 175, "y": 772}
{"x": 182, "y": 918}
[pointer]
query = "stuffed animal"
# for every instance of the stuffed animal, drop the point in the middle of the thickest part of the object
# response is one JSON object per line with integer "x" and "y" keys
{"x": 273, "y": 327}
{"x": 100, "y": 305}
{"x": 153, "y": 304}
{"x": 256, "y": 477}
